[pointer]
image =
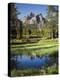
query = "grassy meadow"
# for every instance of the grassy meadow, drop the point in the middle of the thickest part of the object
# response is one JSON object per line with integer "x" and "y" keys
{"x": 42, "y": 47}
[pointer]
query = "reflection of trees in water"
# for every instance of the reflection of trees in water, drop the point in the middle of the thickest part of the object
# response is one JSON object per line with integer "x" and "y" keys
{"x": 32, "y": 57}
{"x": 49, "y": 60}
{"x": 14, "y": 61}
{"x": 38, "y": 56}
{"x": 13, "y": 64}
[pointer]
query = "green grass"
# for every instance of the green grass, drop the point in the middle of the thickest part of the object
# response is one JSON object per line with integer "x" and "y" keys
{"x": 42, "y": 47}
{"x": 32, "y": 72}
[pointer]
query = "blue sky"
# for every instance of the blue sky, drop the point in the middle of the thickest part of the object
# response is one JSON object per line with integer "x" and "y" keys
{"x": 25, "y": 9}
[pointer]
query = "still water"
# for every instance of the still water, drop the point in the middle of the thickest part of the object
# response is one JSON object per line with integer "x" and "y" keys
{"x": 28, "y": 62}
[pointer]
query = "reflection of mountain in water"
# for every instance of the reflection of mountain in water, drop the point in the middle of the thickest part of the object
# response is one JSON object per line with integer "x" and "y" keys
{"x": 31, "y": 62}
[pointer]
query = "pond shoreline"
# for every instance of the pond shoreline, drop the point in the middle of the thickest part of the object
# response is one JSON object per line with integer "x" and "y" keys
{"x": 52, "y": 68}
{"x": 40, "y": 50}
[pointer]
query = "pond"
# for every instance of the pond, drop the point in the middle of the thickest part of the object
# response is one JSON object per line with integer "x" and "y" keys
{"x": 30, "y": 62}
